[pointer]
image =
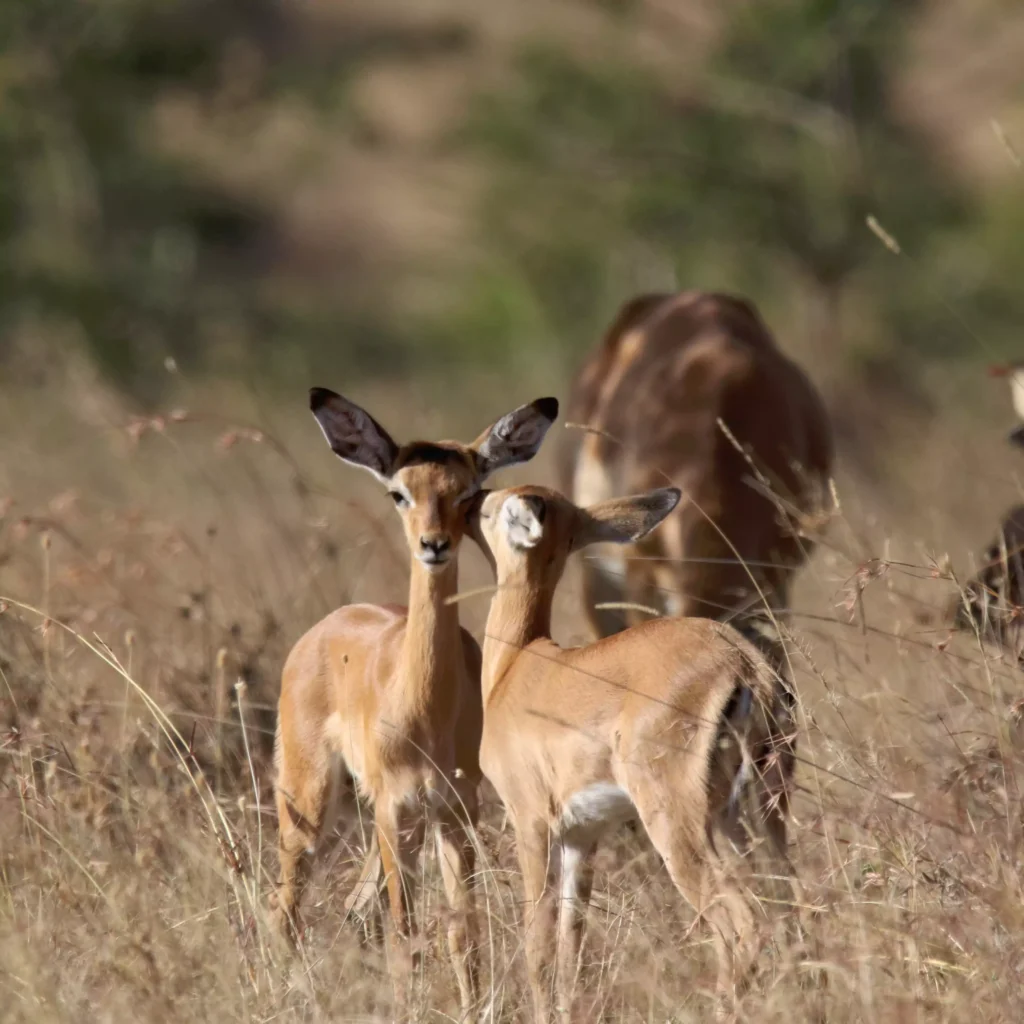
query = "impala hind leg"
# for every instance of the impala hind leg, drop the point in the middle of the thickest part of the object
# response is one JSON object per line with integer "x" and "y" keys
{"x": 702, "y": 880}
{"x": 457, "y": 857}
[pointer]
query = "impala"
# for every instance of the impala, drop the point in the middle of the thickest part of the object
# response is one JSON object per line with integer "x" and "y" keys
{"x": 390, "y": 695}
{"x": 701, "y": 362}
{"x": 672, "y": 721}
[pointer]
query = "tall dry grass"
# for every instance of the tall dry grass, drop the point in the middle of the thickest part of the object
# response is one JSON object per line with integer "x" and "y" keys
{"x": 155, "y": 574}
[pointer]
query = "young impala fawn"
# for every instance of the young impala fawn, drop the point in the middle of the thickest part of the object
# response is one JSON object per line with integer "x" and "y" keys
{"x": 671, "y": 721}
{"x": 391, "y": 695}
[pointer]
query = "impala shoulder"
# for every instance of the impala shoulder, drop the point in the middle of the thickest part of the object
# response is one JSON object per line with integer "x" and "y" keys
{"x": 362, "y": 616}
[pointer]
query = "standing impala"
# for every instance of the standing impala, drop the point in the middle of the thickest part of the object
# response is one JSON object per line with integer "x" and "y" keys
{"x": 391, "y": 695}
{"x": 672, "y": 721}
{"x": 694, "y": 359}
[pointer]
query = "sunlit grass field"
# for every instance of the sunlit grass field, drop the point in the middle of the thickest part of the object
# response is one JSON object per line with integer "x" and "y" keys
{"x": 154, "y": 574}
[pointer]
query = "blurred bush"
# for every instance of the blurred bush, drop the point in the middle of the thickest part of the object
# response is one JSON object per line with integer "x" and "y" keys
{"x": 760, "y": 179}
{"x": 147, "y": 209}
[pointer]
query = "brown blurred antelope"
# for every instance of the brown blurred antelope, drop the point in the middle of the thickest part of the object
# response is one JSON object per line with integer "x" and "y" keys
{"x": 669, "y": 369}
{"x": 672, "y": 721}
{"x": 391, "y": 695}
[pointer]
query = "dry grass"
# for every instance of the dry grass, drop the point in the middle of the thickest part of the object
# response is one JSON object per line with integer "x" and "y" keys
{"x": 136, "y": 829}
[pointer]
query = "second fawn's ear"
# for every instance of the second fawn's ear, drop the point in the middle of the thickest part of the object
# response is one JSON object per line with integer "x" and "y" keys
{"x": 353, "y": 434}
{"x": 624, "y": 520}
{"x": 516, "y": 437}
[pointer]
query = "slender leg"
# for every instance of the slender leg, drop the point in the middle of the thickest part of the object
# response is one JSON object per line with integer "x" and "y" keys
{"x": 730, "y": 914}
{"x": 457, "y": 856}
{"x": 398, "y": 841}
{"x": 577, "y": 883}
{"x": 533, "y": 844}
{"x": 301, "y": 809}
{"x": 698, "y": 874}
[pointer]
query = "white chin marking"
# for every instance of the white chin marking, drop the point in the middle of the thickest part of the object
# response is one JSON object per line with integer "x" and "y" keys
{"x": 432, "y": 566}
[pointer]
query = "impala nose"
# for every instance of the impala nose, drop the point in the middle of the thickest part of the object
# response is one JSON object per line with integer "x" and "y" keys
{"x": 434, "y": 550}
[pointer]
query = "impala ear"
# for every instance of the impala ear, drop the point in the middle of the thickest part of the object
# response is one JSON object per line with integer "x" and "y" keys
{"x": 516, "y": 437}
{"x": 522, "y": 519}
{"x": 353, "y": 434}
{"x": 624, "y": 520}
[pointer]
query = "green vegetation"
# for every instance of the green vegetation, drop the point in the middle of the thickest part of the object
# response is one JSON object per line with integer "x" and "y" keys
{"x": 139, "y": 233}
{"x": 760, "y": 180}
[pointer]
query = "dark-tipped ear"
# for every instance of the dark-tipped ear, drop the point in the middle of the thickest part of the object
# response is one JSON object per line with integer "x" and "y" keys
{"x": 623, "y": 520}
{"x": 516, "y": 437}
{"x": 353, "y": 434}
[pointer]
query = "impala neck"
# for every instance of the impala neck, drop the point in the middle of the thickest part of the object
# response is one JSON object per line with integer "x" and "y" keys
{"x": 520, "y": 613}
{"x": 432, "y": 646}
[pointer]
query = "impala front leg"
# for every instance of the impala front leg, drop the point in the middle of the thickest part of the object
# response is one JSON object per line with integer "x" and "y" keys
{"x": 457, "y": 856}
{"x": 533, "y": 844}
{"x": 398, "y": 844}
{"x": 576, "y": 885}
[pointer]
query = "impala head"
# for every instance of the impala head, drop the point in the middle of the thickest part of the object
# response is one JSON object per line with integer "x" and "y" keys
{"x": 431, "y": 483}
{"x": 533, "y": 530}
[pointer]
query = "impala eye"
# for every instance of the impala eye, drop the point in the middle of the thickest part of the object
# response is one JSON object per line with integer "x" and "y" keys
{"x": 398, "y": 498}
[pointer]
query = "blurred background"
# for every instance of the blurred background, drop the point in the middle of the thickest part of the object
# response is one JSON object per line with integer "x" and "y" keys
{"x": 437, "y": 207}
{"x": 272, "y": 190}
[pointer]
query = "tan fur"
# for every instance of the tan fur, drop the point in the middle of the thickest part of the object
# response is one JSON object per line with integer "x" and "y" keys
{"x": 391, "y": 695}
{"x": 668, "y": 369}
{"x": 635, "y": 724}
